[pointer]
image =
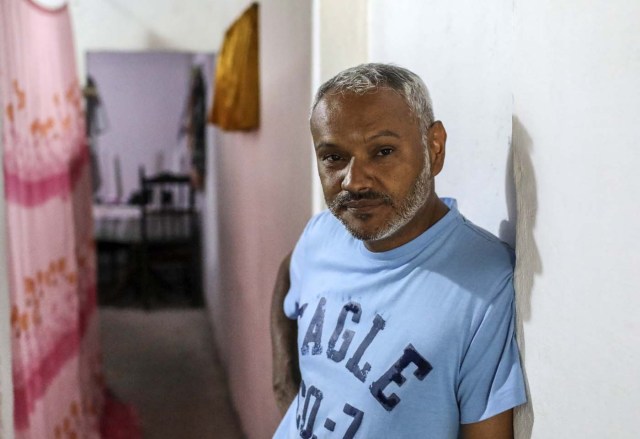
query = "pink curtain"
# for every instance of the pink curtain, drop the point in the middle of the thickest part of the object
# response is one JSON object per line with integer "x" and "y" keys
{"x": 58, "y": 384}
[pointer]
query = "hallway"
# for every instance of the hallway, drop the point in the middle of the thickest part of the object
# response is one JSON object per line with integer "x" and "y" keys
{"x": 165, "y": 364}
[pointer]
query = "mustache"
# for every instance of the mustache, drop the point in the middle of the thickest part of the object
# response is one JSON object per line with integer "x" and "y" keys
{"x": 345, "y": 197}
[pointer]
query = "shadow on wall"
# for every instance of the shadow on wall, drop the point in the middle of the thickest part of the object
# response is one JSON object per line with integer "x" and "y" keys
{"x": 522, "y": 206}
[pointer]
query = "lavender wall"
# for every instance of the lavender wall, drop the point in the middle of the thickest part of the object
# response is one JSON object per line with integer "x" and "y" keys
{"x": 143, "y": 96}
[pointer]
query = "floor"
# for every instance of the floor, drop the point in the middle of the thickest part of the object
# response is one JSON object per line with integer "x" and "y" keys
{"x": 164, "y": 363}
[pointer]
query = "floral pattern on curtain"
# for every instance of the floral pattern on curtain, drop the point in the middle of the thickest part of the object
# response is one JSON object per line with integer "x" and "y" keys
{"x": 58, "y": 386}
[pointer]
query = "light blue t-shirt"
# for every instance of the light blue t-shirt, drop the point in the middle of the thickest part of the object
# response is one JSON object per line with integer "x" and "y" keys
{"x": 406, "y": 343}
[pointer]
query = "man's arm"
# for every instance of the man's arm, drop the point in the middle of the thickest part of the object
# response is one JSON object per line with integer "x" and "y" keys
{"x": 284, "y": 334}
{"x": 496, "y": 427}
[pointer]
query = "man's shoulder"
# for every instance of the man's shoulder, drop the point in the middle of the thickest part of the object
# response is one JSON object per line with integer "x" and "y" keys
{"x": 469, "y": 244}
{"x": 476, "y": 256}
{"x": 480, "y": 242}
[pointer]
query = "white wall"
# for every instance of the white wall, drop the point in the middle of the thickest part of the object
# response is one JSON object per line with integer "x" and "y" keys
{"x": 577, "y": 94}
{"x": 343, "y": 35}
{"x": 192, "y": 26}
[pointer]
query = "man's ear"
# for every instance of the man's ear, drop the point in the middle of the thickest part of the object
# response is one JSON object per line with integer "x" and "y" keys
{"x": 436, "y": 141}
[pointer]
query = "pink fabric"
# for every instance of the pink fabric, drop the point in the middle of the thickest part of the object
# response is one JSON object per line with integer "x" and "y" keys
{"x": 31, "y": 193}
{"x": 58, "y": 385}
{"x": 120, "y": 420}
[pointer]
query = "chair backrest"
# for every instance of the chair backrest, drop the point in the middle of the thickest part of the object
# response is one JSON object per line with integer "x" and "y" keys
{"x": 168, "y": 212}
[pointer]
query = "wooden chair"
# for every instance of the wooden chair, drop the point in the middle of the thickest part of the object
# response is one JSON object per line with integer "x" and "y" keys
{"x": 169, "y": 236}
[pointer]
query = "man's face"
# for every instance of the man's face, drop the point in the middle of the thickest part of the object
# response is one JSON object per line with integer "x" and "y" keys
{"x": 373, "y": 164}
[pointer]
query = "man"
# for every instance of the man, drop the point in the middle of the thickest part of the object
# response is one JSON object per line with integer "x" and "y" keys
{"x": 403, "y": 309}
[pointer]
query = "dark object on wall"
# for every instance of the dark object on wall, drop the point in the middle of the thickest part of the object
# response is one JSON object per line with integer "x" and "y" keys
{"x": 236, "y": 102}
{"x": 194, "y": 126}
{"x": 96, "y": 115}
{"x": 96, "y": 123}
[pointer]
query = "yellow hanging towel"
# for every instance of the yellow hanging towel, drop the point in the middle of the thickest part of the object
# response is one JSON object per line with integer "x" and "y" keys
{"x": 236, "y": 102}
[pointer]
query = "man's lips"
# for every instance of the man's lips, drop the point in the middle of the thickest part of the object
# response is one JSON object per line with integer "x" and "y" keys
{"x": 359, "y": 203}
{"x": 363, "y": 205}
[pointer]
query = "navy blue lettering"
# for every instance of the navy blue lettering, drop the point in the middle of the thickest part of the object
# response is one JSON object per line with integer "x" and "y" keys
{"x": 314, "y": 332}
{"x": 352, "y": 363}
{"x": 330, "y": 424}
{"x": 303, "y": 392}
{"x": 357, "y": 416}
{"x": 347, "y": 336}
{"x": 307, "y": 431}
{"x": 394, "y": 374}
{"x": 300, "y": 310}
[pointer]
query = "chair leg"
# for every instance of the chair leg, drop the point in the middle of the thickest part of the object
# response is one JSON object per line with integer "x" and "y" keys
{"x": 195, "y": 285}
{"x": 144, "y": 281}
{"x": 113, "y": 265}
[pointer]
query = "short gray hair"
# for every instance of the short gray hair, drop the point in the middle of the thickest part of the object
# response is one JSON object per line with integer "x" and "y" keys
{"x": 373, "y": 76}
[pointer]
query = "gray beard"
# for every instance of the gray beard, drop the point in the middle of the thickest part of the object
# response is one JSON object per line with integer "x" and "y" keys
{"x": 405, "y": 212}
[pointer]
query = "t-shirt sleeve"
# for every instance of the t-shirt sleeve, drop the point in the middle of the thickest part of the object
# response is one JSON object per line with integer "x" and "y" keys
{"x": 292, "y": 299}
{"x": 490, "y": 379}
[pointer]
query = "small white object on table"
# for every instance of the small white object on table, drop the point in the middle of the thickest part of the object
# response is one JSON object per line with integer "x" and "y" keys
{"x": 117, "y": 222}
{"x": 121, "y": 223}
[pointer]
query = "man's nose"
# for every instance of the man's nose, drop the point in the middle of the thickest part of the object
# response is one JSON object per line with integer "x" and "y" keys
{"x": 357, "y": 176}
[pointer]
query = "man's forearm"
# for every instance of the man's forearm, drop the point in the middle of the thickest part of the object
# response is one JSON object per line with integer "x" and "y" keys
{"x": 286, "y": 373}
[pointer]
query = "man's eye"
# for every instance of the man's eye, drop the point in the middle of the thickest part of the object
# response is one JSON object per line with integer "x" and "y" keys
{"x": 385, "y": 151}
{"x": 331, "y": 158}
